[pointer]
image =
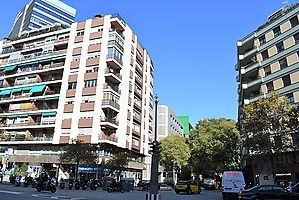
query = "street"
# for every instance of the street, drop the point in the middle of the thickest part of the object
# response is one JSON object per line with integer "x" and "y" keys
{"x": 9, "y": 192}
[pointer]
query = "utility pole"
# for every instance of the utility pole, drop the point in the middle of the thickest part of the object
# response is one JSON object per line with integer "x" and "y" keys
{"x": 154, "y": 185}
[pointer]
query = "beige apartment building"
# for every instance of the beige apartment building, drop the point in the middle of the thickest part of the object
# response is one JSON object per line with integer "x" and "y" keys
{"x": 91, "y": 82}
{"x": 268, "y": 62}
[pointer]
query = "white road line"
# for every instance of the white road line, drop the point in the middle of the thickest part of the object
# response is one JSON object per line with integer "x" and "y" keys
{"x": 78, "y": 198}
{"x": 10, "y": 192}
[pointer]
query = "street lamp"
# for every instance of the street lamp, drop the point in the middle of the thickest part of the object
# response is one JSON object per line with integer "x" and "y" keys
{"x": 153, "y": 190}
{"x": 98, "y": 160}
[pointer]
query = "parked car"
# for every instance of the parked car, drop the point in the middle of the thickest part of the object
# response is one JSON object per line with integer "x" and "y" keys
{"x": 144, "y": 185}
{"x": 188, "y": 187}
{"x": 209, "y": 183}
{"x": 263, "y": 192}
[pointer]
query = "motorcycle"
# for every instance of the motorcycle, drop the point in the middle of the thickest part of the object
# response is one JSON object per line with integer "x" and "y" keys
{"x": 18, "y": 181}
{"x": 28, "y": 181}
{"x": 77, "y": 185}
{"x": 61, "y": 184}
{"x": 84, "y": 184}
{"x": 71, "y": 183}
{"x": 47, "y": 186}
{"x": 115, "y": 187}
{"x": 94, "y": 184}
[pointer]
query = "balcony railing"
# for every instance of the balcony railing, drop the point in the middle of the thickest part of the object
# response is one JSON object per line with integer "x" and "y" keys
{"x": 110, "y": 120}
{"x": 114, "y": 88}
{"x": 114, "y": 42}
{"x": 108, "y": 102}
{"x": 19, "y": 137}
{"x": 26, "y": 95}
{"x": 108, "y": 71}
{"x": 110, "y": 138}
{"x": 34, "y": 57}
{"x": 34, "y": 108}
{"x": 115, "y": 57}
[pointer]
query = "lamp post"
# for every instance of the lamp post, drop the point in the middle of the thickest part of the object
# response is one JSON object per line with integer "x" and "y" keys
{"x": 98, "y": 160}
{"x": 153, "y": 190}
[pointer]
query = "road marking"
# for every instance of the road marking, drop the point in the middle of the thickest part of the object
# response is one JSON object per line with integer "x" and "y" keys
{"x": 10, "y": 192}
{"x": 78, "y": 198}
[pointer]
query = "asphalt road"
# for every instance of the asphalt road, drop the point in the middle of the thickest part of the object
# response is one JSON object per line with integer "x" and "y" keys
{"x": 9, "y": 192}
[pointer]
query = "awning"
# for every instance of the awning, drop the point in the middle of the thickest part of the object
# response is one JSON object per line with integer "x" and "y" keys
{"x": 16, "y": 90}
{"x": 28, "y": 63}
{"x": 38, "y": 88}
{"x": 45, "y": 60}
{"x": 5, "y": 92}
{"x": 26, "y": 88}
{"x": 23, "y": 115}
{"x": 10, "y": 68}
{"x": 48, "y": 114}
{"x": 52, "y": 98}
{"x": 12, "y": 116}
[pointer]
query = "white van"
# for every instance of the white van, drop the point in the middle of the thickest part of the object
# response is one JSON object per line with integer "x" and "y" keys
{"x": 232, "y": 182}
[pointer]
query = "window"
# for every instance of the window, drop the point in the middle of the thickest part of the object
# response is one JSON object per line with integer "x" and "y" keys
{"x": 296, "y": 38}
{"x": 270, "y": 86}
{"x": 72, "y": 85}
{"x": 92, "y": 69}
{"x": 279, "y": 47}
{"x": 291, "y": 98}
{"x": 95, "y": 41}
{"x": 283, "y": 63}
{"x": 262, "y": 39}
{"x": 76, "y": 58}
{"x": 265, "y": 54}
{"x": 276, "y": 31}
{"x": 80, "y": 33}
{"x": 286, "y": 80}
{"x": 91, "y": 83}
{"x": 100, "y": 29}
{"x": 94, "y": 55}
{"x": 294, "y": 21}
{"x": 267, "y": 70}
{"x": 266, "y": 188}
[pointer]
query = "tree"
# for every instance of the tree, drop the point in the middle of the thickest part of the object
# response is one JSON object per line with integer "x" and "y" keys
{"x": 175, "y": 152}
{"x": 78, "y": 153}
{"x": 214, "y": 145}
{"x": 119, "y": 162}
{"x": 266, "y": 127}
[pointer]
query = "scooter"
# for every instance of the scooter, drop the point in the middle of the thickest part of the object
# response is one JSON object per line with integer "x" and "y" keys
{"x": 94, "y": 184}
{"x": 61, "y": 184}
{"x": 18, "y": 181}
{"x": 71, "y": 183}
{"x": 84, "y": 184}
{"x": 28, "y": 181}
{"x": 47, "y": 186}
{"x": 77, "y": 185}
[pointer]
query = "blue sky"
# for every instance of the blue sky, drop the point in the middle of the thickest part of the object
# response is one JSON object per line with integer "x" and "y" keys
{"x": 192, "y": 44}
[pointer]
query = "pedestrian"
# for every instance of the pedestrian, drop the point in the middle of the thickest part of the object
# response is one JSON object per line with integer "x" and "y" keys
{"x": 1, "y": 176}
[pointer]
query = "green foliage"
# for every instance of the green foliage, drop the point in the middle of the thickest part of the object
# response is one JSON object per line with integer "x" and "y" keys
{"x": 267, "y": 125}
{"x": 78, "y": 153}
{"x": 119, "y": 162}
{"x": 175, "y": 153}
{"x": 22, "y": 170}
{"x": 214, "y": 145}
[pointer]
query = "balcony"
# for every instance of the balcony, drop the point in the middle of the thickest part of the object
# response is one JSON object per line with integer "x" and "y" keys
{"x": 118, "y": 22}
{"x": 137, "y": 105}
{"x": 137, "y": 117}
{"x": 32, "y": 69}
{"x": 113, "y": 77}
{"x": 111, "y": 138}
{"x": 248, "y": 53}
{"x": 138, "y": 80}
{"x": 110, "y": 104}
{"x": 138, "y": 92}
{"x": 34, "y": 57}
{"x": 113, "y": 88}
{"x": 25, "y": 138}
{"x": 136, "y": 132}
{"x": 114, "y": 61}
{"x": 117, "y": 44}
{"x": 28, "y": 96}
{"x": 41, "y": 124}
{"x": 110, "y": 123}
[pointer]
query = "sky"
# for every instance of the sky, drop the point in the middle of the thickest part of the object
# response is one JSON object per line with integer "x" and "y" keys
{"x": 192, "y": 44}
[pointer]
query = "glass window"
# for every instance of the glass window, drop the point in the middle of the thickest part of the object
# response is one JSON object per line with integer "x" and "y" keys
{"x": 80, "y": 33}
{"x": 262, "y": 39}
{"x": 265, "y": 54}
{"x": 76, "y": 58}
{"x": 291, "y": 98}
{"x": 91, "y": 83}
{"x": 276, "y": 31}
{"x": 286, "y": 80}
{"x": 266, "y": 188}
{"x": 294, "y": 21}
{"x": 267, "y": 70}
{"x": 72, "y": 85}
{"x": 270, "y": 86}
{"x": 279, "y": 47}
{"x": 296, "y": 38}
{"x": 283, "y": 63}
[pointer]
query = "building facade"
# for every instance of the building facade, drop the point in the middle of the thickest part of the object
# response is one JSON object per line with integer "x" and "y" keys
{"x": 92, "y": 82}
{"x": 268, "y": 63}
{"x": 187, "y": 126}
{"x": 42, "y": 13}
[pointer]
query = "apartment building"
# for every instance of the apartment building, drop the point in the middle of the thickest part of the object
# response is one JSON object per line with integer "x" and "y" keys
{"x": 268, "y": 62}
{"x": 92, "y": 81}
{"x": 41, "y": 13}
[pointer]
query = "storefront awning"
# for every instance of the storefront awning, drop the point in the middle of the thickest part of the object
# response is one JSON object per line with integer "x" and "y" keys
{"x": 28, "y": 63}
{"x": 23, "y": 115}
{"x": 16, "y": 90}
{"x": 26, "y": 88}
{"x": 48, "y": 114}
{"x": 10, "y": 68}
{"x": 52, "y": 98}
{"x": 38, "y": 88}
{"x": 5, "y": 92}
{"x": 45, "y": 60}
